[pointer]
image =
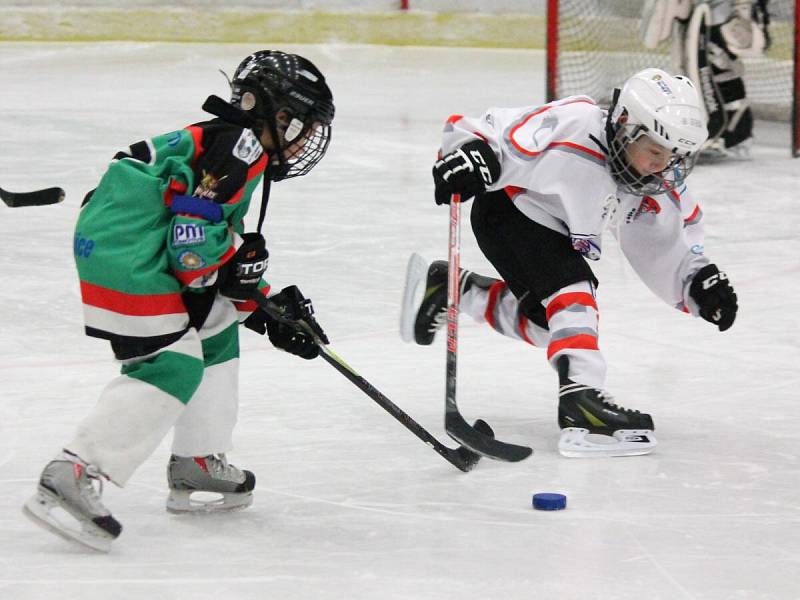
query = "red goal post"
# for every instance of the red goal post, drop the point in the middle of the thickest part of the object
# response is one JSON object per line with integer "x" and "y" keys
{"x": 594, "y": 45}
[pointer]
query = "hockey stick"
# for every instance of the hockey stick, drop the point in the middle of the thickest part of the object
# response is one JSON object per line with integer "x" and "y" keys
{"x": 460, "y": 457}
{"x": 44, "y": 197}
{"x": 455, "y": 425}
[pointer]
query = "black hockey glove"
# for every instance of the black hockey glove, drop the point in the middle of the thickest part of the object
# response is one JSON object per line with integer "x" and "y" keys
{"x": 467, "y": 171}
{"x": 714, "y": 295}
{"x": 239, "y": 277}
{"x": 287, "y": 333}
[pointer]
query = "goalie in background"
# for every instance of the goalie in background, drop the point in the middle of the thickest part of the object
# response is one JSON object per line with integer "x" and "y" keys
{"x": 547, "y": 181}
{"x": 709, "y": 40}
{"x": 167, "y": 274}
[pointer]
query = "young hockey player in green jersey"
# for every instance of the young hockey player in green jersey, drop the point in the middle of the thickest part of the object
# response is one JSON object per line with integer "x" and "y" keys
{"x": 166, "y": 274}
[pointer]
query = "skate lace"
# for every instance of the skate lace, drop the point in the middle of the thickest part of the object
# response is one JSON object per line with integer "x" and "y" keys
{"x": 607, "y": 399}
{"x": 90, "y": 493}
{"x": 438, "y": 321}
{"x": 440, "y": 318}
{"x": 222, "y": 469}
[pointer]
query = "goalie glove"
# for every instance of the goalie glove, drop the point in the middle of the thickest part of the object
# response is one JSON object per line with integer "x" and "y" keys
{"x": 467, "y": 171}
{"x": 714, "y": 295}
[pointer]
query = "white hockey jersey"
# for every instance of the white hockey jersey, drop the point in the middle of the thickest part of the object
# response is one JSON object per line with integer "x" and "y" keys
{"x": 554, "y": 169}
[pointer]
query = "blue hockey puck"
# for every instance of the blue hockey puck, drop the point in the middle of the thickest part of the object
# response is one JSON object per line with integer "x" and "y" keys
{"x": 547, "y": 501}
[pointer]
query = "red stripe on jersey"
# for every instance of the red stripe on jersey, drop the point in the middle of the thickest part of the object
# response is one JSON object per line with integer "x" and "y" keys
{"x": 136, "y": 305}
{"x": 253, "y": 171}
{"x": 197, "y": 138}
{"x": 251, "y": 305}
{"x": 173, "y": 187}
{"x": 574, "y": 342}
{"x": 574, "y": 146}
{"x": 187, "y": 277}
{"x": 692, "y": 216}
{"x": 512, "y": 190}
{"x": 523, "y": 325}
{"x": 454, "y": 118}
{"x": 494, "y": 293}
{"x": 563, "y": 301}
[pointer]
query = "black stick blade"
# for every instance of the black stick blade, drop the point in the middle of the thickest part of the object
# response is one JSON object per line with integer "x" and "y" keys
{"x": 473, "y": 439}
{"x": 467, "y": 459}
{"x": 52, "y": 195}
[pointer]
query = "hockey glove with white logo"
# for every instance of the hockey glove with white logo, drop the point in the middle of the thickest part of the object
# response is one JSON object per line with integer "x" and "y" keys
{"x": 467, "y": 171}
{"x": 714, "y": 295}
{"x": 239, "y": 277}
{"x": 287, "y": 333}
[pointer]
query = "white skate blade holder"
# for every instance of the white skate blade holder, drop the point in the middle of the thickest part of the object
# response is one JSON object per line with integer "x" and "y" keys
{"x": 416, "y": 275}
{"x": 190, "y": 501}
{"x": 577, "y": 442}
{"x": 48, "y": 514}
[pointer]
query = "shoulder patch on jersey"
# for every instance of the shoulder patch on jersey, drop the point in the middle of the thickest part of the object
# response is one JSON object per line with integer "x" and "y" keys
{"x": 191, "y": 260}
{"x": 247, "y": 147}
{"x": 188, "y": 234}
{"x": 587, "y": 245}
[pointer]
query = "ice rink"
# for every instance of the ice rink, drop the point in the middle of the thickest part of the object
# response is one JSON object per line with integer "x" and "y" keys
{"x": 349, "y": 504}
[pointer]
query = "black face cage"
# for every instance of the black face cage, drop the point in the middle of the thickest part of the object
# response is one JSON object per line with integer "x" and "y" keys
{"x": 306, "y": 151}
{"x": 670, "y": 178}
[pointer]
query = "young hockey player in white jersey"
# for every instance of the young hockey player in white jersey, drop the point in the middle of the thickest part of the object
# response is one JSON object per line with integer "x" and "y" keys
{"x": 709, "y": 40}
{"x": 547, "y": 180}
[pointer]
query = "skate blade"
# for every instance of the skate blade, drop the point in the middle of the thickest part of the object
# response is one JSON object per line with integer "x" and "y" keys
{"x": 181, "y": 502}
{"x": 416, "y": 274}
{"x": 40, "y": 510}
{"x": 576, "y": 443}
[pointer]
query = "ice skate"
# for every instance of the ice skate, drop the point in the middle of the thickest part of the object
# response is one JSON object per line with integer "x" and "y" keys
{"x": 207, "y": 484}
{"x": 592, "y": 426}
{"x": 68, "y": 504}
{"x": 424, "y": 309}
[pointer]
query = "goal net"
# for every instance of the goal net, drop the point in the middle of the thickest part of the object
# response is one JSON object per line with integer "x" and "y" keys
{"x": 595, "y": 45}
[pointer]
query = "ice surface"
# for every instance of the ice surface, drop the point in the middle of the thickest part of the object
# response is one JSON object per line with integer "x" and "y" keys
{"x": 349, "y": 505}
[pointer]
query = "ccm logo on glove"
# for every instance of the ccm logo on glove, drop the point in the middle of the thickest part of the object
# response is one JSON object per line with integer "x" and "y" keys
{"x": 466, "y": 171}
{"x": 714, "y": 295}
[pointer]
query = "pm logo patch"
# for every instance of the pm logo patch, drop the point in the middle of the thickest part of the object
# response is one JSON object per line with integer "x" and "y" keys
{"x": 187, "y": 234}
{"x": 248, "y": 148}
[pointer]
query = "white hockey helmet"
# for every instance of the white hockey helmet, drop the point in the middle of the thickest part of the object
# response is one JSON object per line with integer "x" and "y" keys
{"x": 668, "y": 110}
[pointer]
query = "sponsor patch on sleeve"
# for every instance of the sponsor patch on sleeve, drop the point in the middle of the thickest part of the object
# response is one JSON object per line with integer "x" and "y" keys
{"x": 248, "y": 148}
{"x": 188, "y": 234}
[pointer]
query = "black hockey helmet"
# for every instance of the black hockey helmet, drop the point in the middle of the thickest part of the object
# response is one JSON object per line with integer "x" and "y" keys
{"x": 288, "y": 95}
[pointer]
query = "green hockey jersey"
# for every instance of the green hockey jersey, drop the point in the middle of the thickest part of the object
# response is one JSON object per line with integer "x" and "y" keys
{"x": 164, "y": 218}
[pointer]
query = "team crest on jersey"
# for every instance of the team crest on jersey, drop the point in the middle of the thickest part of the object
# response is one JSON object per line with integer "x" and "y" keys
{"x": 187, "y": 234}
{"x": 588, "y": 245}
{"x": 648, "y": 206}
{"x": 191, "y": 260}
{"x": 248, "y": 148}
{"x": 208, "y": 185}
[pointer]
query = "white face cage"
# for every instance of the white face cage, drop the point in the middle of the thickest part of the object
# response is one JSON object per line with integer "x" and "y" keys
{"x": 670, "y": 178}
